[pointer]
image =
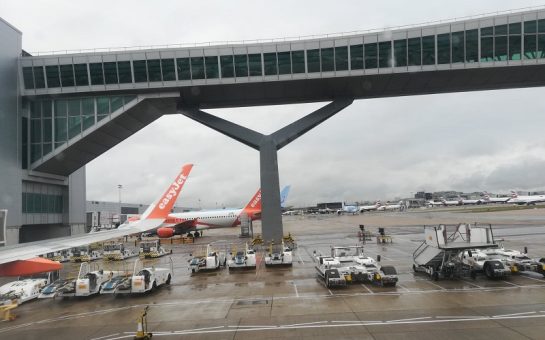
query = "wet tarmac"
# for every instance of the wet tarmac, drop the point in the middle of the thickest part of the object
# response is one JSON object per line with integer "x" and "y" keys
{"x": 292, "y": 303}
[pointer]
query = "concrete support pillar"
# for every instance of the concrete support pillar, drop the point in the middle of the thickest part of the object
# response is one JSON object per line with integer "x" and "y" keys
{"x": 268, "y": 146}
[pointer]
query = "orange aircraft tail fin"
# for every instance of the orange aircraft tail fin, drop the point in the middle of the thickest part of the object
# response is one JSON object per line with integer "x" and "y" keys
{"x": 163, "y": 207}
{"x": 255, "y": 203}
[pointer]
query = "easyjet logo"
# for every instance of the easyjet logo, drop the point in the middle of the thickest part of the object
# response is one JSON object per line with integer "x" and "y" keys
{"x": 172, "y": 191}
{"x": 255, "y": 200}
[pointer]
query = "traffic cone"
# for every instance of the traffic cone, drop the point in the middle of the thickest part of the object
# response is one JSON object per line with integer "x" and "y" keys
{"x": 139, "y": 331}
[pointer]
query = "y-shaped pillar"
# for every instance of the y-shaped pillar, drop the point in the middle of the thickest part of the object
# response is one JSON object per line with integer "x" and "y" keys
{"x": 268, "y": 145}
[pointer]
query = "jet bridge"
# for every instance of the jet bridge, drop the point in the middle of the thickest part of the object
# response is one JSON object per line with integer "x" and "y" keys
{"x": 438, "y": 255}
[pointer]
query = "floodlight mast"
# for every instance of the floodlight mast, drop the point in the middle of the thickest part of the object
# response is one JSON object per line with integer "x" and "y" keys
{"x": 268, "y": 146}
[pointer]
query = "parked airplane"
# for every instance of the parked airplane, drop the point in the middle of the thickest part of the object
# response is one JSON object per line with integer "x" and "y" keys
{"x": 435, "y": 203}
{"x": 348, "y": 209}
{"x": 465, "y": 201}
{"x": 399, "y": 206}
{"x": 488, "y": 199}
{"x": 196, "y": 221}
{"x": 528, "y": 200}
{"x": 373, "y": 207}
{"x": 451, "y": 202}
{"x": 19, "y": 258}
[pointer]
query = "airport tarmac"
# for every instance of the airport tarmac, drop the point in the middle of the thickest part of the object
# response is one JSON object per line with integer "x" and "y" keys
{"x": 292, "y": 303}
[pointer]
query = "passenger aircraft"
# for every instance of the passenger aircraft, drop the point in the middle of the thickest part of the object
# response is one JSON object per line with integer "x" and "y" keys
{"x": 399, "y": 206}
{"x": 347, "y": 209}
{"x": 528, "y": 200}
{"x": 365, "y": 208}
{"x": 195, "y": 221}
{"x": 21, "y": 258}
{"x": 464, "y": 201}
{"x": 488, "y": 199}
{"x": 447, "y": 203}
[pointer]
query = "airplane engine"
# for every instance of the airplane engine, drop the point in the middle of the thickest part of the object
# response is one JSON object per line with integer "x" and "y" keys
{"x": 165, "y": 232}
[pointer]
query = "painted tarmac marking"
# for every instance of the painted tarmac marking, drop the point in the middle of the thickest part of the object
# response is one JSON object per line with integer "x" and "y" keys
{"x": 300, "y": 259}
{"x": 423, "y": 320}
{"x": 436, "y": 285}
{"x": 405, "y": 288}
{"x": 105, "y": 336}
{"x": 330, "y": 292}
{"x": 458, "y": 316}
{"x": 295, "y": 287}
{"x": 305, "y": 323}
{"x": 533, "y": 278}
{"x": 511, "y": 283}
{"x": 369, "y": 290}
{"x": 410, "y": 319}
{"x": 473, "y": 284}
{"x": 514, "y": 314}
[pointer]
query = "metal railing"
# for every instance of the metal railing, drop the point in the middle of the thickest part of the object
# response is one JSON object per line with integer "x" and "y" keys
{"x": 282, "y": 39}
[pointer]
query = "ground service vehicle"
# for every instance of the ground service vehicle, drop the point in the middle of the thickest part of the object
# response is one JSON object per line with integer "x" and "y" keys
{"x": 25, "y": 288}
{"x": 279, "y": 257}
{"x": 479, "y": 261}
{"x": 117, "y": 251}
{"x": 144, "y": 279}
{"x": 152, "y": 249}
{"x": 242, "y": 259}
{"x": 209, "y": 260}
{"x": 85, "y": 254}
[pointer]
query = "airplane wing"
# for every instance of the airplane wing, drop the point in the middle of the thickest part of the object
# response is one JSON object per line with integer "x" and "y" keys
{"x": 153, "y": 217}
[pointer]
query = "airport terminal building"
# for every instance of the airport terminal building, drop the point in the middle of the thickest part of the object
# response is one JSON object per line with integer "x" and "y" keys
{"x": 40, "y": 205}
{"x": 58, "y": 111}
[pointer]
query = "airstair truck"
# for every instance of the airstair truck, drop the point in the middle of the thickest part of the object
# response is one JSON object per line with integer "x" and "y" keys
{"x": 439, "y": 255}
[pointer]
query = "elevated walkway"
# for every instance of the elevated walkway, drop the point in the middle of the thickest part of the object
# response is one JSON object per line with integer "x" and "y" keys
{"x": 103, "y": 134}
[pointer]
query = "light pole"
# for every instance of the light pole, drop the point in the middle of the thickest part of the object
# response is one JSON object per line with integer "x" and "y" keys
{"x": 119, "y": 187}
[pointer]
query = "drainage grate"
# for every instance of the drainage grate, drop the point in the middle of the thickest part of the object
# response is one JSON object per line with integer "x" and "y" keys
{"x": 252, "y": 302}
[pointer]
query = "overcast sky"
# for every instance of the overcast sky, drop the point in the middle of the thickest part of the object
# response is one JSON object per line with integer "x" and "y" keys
{"x": 374, "y": 149}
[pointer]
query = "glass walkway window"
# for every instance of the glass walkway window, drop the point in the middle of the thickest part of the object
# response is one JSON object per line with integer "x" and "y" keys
{"x": 254, "y": 64}
{"x": 67, "y": 75}
{"x": 328, "y": 59}
{"x": 184, "y": 70}
{"x": 52, "y": 76}
{"x": 211, "y": 66}
{"x": 168, "y": 71}
{"x": 414, "y": 52}
{"x": 61, "y": 127}
{"x": 515, "y": 41}
{"x": 241, "y": 65}
{"x": 197, "y": 68}
{"x": 313, "y": 60}
{"x": 298, "y": 61}
{"x": 356, "y": 57}
{"x": 74, "y": 118}
{"x": 87, "y": 113}
{"x": 80, "y": 72}
{"x": 371, "y": 56}
{"x": 400, "y": 52}
{"x": 472, "y": 46}
{"x": 530, "y": 39}
{"x": 28, "y": 78}
{"x": 33, "y": 203}
{"x": 227, "y": 66}
{"x": 385, "y": 54}
{"x": 487, "y": 44}
{"x": 124, "y": 71}
{"x": 269, "y": 63}
{"x": 500, "y": 43}
{"x": 428, "y": 50}
{"x": 341, "y": 58}
{"x": 443, "y": 48}
{"x": 458, "y": 42}
{"x": 97, "y": 77}
{"x": 154, "y": 69}
{"x": 139, "y": 71}
{"x": 284, "y": 62}
{"x": 39, "y": 79}
{"x": 110, "y": 72}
